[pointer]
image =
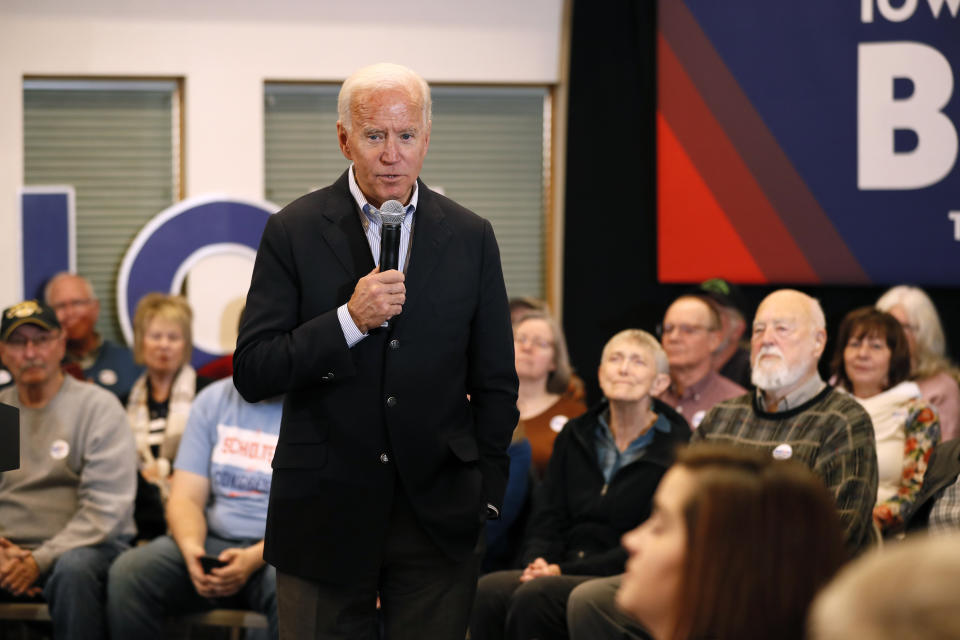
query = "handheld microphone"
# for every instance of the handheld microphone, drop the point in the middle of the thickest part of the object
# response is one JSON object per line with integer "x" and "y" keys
{"x": 391, "y": 216}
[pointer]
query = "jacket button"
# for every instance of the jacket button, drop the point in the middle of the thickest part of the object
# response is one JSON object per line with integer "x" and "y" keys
{"x": 391, "y": 401}
{"x": 394, "y": 344}
{"x": 384, "y": 458}
{"x": 580, "y": 554}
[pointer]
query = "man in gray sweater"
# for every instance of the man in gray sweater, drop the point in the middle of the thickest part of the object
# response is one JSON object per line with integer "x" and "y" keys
{"x": 67, "y": 512}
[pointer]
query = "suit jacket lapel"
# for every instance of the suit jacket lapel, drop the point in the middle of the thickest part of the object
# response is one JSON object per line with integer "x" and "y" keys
{"x": 345, "y": 233}
{"x": 430, "y": 236}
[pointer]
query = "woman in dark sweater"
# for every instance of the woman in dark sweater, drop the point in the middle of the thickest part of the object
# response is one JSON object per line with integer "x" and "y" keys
{"x": 605, "y": 467}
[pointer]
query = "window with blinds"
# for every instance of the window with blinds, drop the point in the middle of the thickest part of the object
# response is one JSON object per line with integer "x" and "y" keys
{"x": 117, "y": 142}
{"x": 489, "y": 151}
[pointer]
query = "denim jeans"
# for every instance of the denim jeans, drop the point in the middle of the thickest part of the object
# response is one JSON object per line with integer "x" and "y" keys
{"x": 150, "y": 582}
{"x": 76, "y": 591}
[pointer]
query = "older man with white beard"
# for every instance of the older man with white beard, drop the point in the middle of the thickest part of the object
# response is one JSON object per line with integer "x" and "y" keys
{"x": 794, "y": 414}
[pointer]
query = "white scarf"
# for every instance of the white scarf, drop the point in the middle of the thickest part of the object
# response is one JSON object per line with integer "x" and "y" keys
{"x": 182, "y": 390}
{"x": 889, "y": 409}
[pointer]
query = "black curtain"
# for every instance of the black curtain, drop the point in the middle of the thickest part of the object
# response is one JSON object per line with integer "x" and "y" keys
{"x": 610, "y": 262}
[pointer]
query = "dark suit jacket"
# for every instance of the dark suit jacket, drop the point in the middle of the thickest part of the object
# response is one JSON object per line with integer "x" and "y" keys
{"x": 393, "y": 408}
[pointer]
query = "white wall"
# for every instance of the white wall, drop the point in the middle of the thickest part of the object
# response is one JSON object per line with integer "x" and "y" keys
{"x": 225, "y": 50}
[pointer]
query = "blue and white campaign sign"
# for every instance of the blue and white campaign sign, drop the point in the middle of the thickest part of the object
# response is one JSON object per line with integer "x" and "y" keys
{"x": 810, "y": 142}
{"x": 175, "y": 243}
{"x": 47, "y": 235}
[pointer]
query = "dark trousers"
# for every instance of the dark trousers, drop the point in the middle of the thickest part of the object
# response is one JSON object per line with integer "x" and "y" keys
{"x": 151, "y": 581}
{"x": 423, "y": 594}
{"x": 506, "y": 608}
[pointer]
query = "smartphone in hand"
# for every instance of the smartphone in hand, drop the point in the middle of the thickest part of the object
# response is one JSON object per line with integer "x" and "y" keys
{"x": 211, "y": 562}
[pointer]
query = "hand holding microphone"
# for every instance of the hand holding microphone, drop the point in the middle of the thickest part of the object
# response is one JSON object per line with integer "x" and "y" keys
{"x": 380, "y": 294}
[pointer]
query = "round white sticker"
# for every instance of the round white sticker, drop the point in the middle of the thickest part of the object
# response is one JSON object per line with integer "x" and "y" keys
{"x": 783, "y": 452}
{"x": 557, "y": 422}
{"x": 59, "y": 449}
{"x": 107, "y": 377}
{"x": 5, "y": 377}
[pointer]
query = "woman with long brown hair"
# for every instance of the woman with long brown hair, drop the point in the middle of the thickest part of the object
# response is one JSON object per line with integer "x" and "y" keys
{"x": 736, "y": 547}
{"x": 872, "y": 362}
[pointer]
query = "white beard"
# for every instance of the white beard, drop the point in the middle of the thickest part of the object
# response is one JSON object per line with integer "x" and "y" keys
{"x": 773, "y": 375}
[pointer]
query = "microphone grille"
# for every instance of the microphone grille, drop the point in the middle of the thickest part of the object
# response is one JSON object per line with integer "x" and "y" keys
{"x": 391, "y": 212}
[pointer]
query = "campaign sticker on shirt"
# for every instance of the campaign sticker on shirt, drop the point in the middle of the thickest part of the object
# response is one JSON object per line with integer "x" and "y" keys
{"x": 5, "y": 376}
{"x": 557, "y": 422}
{"x": 783, "y": 452}
{"x": 697, "y": 418}
{"x": 107, "y": 377}
{"x": 59, "y": 449}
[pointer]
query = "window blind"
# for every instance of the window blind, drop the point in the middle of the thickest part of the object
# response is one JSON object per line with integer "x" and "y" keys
{"x": 117, "y": 143}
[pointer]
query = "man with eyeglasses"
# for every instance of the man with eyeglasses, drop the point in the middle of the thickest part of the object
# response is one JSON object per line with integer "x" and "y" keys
{"x": 89, "y": 356}
{"x": 67, "y": 512}
{"x": 690, "y": 334}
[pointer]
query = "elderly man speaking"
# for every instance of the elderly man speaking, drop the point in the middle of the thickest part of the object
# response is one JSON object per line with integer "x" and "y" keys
{"x": 400, "y": 383}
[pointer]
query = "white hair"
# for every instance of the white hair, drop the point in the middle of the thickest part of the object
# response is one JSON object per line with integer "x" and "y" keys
{"x": 817, "y": 317}
{"x": 66, "y": 274}
{"x": 925, "y": 322}
{"x": 383, "y": 75}
{"x": 643, "y": 339}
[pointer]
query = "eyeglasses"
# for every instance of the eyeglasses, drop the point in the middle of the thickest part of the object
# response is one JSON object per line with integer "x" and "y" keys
{"x": 685, "y": 329}
{"x": 539, "y": 343}
{"x": 70, "y": 304}
{"x": 39, "y": 341}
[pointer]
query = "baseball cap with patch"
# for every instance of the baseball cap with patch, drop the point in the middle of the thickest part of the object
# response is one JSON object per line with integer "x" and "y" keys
{"x": 723, "y": 293}
{"x": 29, "y": 312}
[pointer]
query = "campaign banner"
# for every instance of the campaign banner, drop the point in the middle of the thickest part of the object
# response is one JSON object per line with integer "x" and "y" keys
{"x": 810, "y": 142}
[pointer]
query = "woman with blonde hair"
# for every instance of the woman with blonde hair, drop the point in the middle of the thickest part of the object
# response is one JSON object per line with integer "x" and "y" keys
{"x": 929, "y": 366}
{"x": 160, "y": 399}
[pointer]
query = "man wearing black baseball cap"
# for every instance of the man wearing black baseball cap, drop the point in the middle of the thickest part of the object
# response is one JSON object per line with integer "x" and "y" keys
{"x": 67, "y": 512}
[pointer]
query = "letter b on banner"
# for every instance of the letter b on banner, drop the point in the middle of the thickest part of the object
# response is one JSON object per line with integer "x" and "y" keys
{"x": 880, "y": 114}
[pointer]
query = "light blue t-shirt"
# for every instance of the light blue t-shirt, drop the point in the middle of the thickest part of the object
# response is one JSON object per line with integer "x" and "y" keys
{"x": 231, "y": 442}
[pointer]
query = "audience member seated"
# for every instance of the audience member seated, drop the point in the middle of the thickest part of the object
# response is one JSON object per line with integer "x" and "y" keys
{"x": 543, "y": 368}
{"x": 160, "y": 399}
{"x": 792, "y": 414}
{"x": 795, "y": 414}
{"x": 731, "y": 359}
{"x": 937, "y": 508}
{"x": 605, "y": 467}
{"x": 67, "y": 512}
{"x": 217, "y": 509}
{"x": 505, "y": 534}
{"x": 933, "y": 372}
{"x": 690, "y": 334}
{"x": 904, "y": 592}
{"x": 522, "y": 305}
{"x": 872, "y": 361}
{"x": 89, "y": 357}
{"x": 736, "y": 548}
